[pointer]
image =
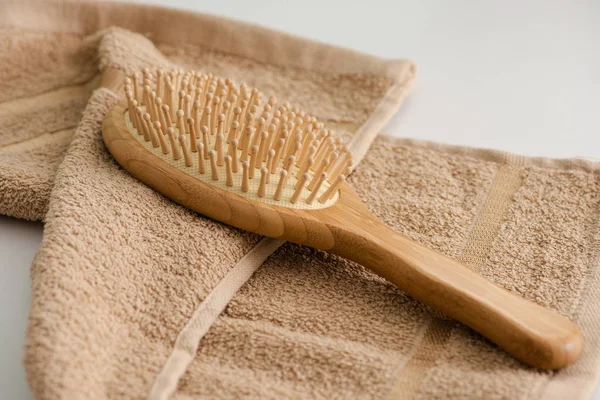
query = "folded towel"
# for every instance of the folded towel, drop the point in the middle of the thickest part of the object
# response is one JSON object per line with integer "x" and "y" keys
{"x": 128, "y": 287}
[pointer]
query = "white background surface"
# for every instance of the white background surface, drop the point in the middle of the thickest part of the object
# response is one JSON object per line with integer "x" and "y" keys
{"x": 517, "y": 76}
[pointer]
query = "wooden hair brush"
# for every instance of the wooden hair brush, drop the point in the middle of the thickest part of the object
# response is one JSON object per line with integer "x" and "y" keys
{"x": 215, "y": 148}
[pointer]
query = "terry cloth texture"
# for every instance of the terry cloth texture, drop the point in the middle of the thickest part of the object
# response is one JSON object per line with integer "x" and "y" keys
{"x": 127, "y": 283}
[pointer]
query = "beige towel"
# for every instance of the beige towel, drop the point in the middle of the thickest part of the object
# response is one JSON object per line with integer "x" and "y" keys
{"x": 127, "y": 285}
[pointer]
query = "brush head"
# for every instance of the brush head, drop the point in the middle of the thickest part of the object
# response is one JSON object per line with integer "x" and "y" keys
{"x": 227, "y": 136}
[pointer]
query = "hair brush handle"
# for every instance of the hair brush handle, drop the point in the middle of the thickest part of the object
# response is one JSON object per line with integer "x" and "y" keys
{"x": 531, "y": 333}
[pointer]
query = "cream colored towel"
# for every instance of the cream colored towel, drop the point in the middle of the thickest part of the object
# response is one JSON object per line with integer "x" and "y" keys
{"x": 127, "y": 284}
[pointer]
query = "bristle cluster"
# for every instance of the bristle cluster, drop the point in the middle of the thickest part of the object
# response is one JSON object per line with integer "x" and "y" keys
{"x": 225, "y": 132}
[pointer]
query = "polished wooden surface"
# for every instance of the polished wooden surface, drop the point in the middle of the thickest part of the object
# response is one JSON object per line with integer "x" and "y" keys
{"x": 533, "y": 334}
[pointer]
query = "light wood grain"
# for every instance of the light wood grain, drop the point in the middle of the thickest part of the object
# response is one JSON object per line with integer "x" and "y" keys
{"x": 533, "y": 334}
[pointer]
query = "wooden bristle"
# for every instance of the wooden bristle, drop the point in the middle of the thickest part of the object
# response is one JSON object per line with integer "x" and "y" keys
{"x": 221, "y": 124}
{"x": 253, "y": 158}
{"x": 187, "y": 154}
{"x": 299, "y": 187}
{"x": 332, "y": 189}
{"x": 307, "y": 147}
{"x": 229, "y": 171}
{"x": 207, "y": 119}
{"x": 344, "y": 161}
{"x": 333, "y": 158}
{"x": 262, "y": 148}
{"x": 201, "y": 160}
{"x": 212, "y": 155}
{"x": 187, "y": 108}
{"x": 323, "y": 150}
{"x": 306, "y": 165}
{"x": 234, "y": 156}
{"x": 320, "y": 170}
{"x": 135, "y": 117}
{"x": 205, "y": 140}
{"x": 173, "y": 142}
{"x": 136, "y": 86}
{"x": 289, "y": 163}
{"x": 232, "y": 148}
{"x": 142, "y": 125}
{"x": 263, "y": 182}
{"x": 161, "y": 137}
{"x": 215, "y": 108}
{"x": 190, "y": 112}
{"x": 315, "y": 191}
{"x": 249, "y": 131}
{"x": 233, "y": 132}
{"x": 193, "y": 135}
{"x": 270, "y": 155}
{"x": 152, "y": 108}
{"x": 259, "y": 128}
{"x": 159, "y": 111}
{"x": 180, "y": 123}
{"x": 219, "y": 147}
{"x": 278, "y": 148}
{"x": 150, "y": 131}
{"x": 245, "y": 166}
{"x": 282, "y": 181}
{"x": 167, "y": 115}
